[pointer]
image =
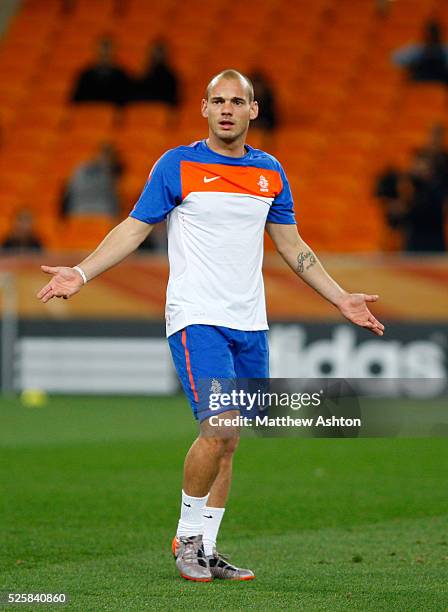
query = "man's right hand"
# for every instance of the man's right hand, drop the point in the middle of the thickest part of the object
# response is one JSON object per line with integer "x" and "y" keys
{"x": 65, "y": 282}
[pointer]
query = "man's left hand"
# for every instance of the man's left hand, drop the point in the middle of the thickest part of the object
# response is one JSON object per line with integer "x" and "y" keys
{"x": 353, "y": 307}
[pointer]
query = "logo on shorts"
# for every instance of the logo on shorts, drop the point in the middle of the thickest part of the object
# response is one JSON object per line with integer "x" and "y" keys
{"x": 263, "y": 183}
{"x": 216, "y": 386}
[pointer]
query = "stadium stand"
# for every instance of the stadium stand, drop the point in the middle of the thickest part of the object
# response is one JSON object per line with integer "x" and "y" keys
{"x": 345, "y": 110}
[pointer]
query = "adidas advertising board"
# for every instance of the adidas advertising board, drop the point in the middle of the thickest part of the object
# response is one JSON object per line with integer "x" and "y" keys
{"x": 138, "y": 358}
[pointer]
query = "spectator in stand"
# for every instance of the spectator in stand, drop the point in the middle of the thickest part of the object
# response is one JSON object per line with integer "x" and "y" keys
{"x": 415, "y": 204}
{"x": 426, "y": 62}
{"x": 159, "y": 82}
{"x": 438, "y": 154}
{"x": 93, "y": 187}
{"x": 22, "y": 237}
{"x": 387, "y": 191}
{"x": 387, "y": 184}
{"x": 104, "y": 81}
{"x": 267, "y": 115}
{"x": 425, "y": 209}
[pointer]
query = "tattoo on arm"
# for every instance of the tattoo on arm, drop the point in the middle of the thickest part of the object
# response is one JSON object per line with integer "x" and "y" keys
{"x": 305, "y": 261}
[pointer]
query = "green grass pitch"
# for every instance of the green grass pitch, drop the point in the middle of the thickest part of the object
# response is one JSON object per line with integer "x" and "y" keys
{"x": 90, "y": 498}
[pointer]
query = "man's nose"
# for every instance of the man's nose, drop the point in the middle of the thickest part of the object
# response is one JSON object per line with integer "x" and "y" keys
{"x": 226, "y": 108}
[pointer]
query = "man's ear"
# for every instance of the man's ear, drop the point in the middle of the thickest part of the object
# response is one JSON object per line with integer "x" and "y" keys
{"x": 253, "y": 113}
{"x": 204, "y": 109}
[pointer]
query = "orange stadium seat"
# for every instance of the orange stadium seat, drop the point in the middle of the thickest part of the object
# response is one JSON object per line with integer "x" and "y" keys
{"x": 130, "y": 189}
{"x": 362, "y": 119}
{"x": 47, "y": 199}
{"x": 84, "y": 232}
{"x": 92, "y": 116}
{"x": 48, "y": 228}
{"x": 83, "y": 7}
{"x": 297, "y": 139}
{"x": 187, "y": 135}
{"x": 16, "y": 184}
{"x": 33, "y": 7}
{"x": 23, "y": 159}
{"x": 44, "y": 119}
{"x": 12, "y": 95}
{"x": 26, "y": 29}
{"x": 153, "y": 116}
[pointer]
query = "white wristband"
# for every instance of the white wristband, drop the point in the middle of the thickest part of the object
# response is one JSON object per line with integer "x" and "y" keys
{"x": 81, "y": 271}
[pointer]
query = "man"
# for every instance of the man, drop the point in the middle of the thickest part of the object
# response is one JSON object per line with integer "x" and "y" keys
{"x": 159, "y": 82}
{"x": 421, "y": 209}
{"x": 218, "y": 195}
{"x": 93, "y": 187}
{"x": 21, "y": 237}
{"x": 428, "y": 61}
{"x": 104, "y": 80}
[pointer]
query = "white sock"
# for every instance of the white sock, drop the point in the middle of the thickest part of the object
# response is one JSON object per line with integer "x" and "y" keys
{"x": 212, "y": 521}
{"x": 191, "y": 521}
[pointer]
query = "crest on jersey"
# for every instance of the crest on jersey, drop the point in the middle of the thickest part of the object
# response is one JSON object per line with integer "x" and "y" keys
{"x": 263, "y": 183}
{"x": 216, "y": 386}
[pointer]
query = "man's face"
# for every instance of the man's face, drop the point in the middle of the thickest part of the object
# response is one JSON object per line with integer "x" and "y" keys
{"x": 228, "y": 109}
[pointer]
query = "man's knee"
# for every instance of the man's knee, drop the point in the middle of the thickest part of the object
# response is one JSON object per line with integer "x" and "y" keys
{"x": 222, "y": 440}
{"x": 221, "y": 447}
{"x": 232, "y": 445}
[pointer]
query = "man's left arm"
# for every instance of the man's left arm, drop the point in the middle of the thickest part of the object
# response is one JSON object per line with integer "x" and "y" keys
{"x": 301, "y": 258}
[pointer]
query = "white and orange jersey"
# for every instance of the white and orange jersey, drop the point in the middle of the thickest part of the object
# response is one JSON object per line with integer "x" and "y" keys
{"x": 216, "y": 209}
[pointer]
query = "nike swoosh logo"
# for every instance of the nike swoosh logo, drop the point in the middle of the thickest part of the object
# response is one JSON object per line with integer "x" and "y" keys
{"x": 188, "y": 505}
{"x": 205, "y": 516}
{"x": 209, "y": 180}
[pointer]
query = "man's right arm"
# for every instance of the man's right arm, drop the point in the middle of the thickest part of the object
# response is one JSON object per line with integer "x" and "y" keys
{"x": 118, "y": 244}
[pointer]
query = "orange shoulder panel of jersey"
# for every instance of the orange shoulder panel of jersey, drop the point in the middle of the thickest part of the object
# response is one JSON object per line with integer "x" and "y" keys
{"x": 249, "y": 180}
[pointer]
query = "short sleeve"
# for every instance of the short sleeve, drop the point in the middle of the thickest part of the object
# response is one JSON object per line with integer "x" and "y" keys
{"x": 161, "y": 192}
{"x": 282, "y": 208}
